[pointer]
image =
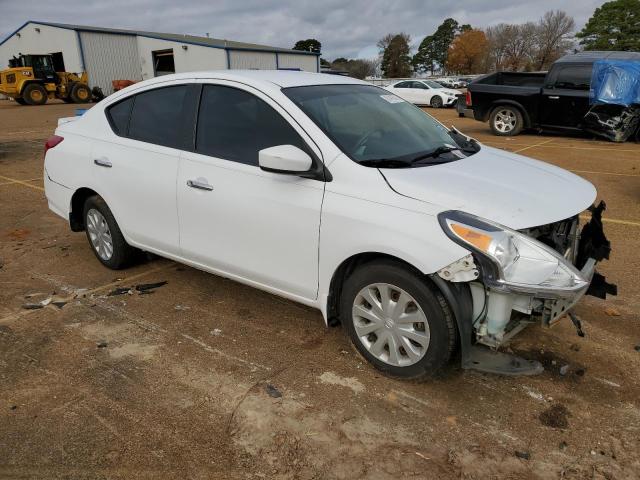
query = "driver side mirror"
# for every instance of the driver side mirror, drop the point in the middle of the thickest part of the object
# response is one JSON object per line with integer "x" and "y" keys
{"x": 284, "y": 159}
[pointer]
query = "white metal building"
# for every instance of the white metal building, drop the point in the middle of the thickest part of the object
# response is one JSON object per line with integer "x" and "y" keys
{"x": 109, "y": 54}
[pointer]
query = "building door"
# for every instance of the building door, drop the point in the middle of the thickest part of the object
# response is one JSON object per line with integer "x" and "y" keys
{"x": 163, "y": 62}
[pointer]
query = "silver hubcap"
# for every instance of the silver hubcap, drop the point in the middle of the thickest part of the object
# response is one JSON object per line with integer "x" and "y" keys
{"x": 505, "y": 121}
{"x": 99, "y": 234}
{"x": 390, "y": 324}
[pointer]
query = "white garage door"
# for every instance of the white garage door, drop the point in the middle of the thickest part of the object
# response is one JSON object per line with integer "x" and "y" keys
{"x": 110, "y": 57}
{"x": 241, "y": 60}
{"x": 308, "y": 63}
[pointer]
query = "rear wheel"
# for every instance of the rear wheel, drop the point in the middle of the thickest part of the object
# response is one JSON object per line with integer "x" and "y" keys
{"x": 506, "y": 120}
{"x": 80, "y": 93}
{"x": 104, "y": 235}
{"x": 34, "y": 94}
{"x": 436, "y": 101}
{"x": 397, "y": 320}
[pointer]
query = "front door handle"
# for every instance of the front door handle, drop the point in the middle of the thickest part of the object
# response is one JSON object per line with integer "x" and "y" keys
{"x": 102, "y": 162}
{"x": 200, "y": 185}
{"x": 554, "y": 97}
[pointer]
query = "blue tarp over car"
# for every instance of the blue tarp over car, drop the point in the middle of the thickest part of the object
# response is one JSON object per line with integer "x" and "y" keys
{"x": 615, "y": 82}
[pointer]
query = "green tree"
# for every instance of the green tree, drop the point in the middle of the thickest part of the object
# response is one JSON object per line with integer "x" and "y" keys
{"x": 614, "y": 26}
{"x": 425, "y": 58}
{"x": 396, "y": 61}
{"x": 442, "y": 39}
{"x": 308, "y": 45}
{"x": 434, "y": 49}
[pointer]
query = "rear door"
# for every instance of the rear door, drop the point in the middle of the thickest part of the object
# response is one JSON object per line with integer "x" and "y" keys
{"x": 404, "y": 91}
{"x": 136, "y": 165}
{"x": 237, "y": 219}
{"x": 565, "y": 97}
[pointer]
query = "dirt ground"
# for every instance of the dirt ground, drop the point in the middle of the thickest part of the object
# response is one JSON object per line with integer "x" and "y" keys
{"x": 206, "y": 378}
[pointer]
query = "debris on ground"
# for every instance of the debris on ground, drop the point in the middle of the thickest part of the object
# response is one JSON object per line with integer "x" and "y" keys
{"x": 555, "y": 416}
{"x": 563, "y": 445}
{"x": 13, "y": 407}
{"x": 637, "y": 348}
{"x": 36, "y": 305}
{"x": 147, "y": 287}
{"x": 181, "y": 307}
{"x": 580, "y": 372}
{"x": 523, "y": 455}
{"x": 120, "y": 291}
{"x": 612, "y": 312}
{"x": 575, "y": 347}
{"x": 273, "y": 391}
{"x": 564, "y": 370}
{"x": 216, "y": 332}
{"x": 102, "y": 344}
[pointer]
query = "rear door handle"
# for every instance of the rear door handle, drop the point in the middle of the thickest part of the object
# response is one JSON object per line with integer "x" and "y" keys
{"x": 102, "y": 162}
{"x": 554, "y": 97}
{"x": 200, "y": 185}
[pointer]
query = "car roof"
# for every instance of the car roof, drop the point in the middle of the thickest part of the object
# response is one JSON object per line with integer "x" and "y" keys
{"x": 592, "y": 56}
{"x": 281, "y": 78}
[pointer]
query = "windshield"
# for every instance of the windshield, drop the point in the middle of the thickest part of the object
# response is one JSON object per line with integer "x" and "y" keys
{"x": 433, "y": 84}
{"x": 376, "y": 128}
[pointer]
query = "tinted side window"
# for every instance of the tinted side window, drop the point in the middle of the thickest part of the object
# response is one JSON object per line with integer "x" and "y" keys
{"x": 235, "y": 125}
{"x": 419, "y": 85}
{"x": 119, "y": 116}
{"x": 402, "y": 85}
{"x": 159, "y": 115}
{"x": 576, "y": 77}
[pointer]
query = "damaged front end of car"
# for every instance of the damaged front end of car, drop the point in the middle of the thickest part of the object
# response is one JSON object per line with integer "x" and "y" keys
{"x": 516, "y": 278}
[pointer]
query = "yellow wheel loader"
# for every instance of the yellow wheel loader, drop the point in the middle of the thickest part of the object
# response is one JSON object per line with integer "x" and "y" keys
{"x": 32, "y": 80}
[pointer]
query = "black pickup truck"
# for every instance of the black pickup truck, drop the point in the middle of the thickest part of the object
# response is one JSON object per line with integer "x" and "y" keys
{"x": 555, "y": 100}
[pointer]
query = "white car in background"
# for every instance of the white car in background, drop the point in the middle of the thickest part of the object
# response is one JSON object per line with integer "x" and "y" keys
{"x": 425, "y": 92}
{"x": 336, "y": 194}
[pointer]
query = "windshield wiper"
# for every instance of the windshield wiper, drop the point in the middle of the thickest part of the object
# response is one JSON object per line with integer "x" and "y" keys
{"x": 434, "y": 153}
{"x": 384, "y": 163}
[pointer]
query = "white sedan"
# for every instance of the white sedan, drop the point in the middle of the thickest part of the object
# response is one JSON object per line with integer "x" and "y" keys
{"x": 336, "y": 194}
{"x": 425, "y": 92}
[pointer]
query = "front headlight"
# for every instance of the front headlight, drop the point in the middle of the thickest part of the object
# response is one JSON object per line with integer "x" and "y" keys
{"x": 511, "y": 260}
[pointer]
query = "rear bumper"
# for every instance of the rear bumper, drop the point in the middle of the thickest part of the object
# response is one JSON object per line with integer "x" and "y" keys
{"x": 58, "y": 197}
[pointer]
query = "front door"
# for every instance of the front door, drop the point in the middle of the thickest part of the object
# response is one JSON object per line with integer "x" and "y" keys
{"x": 237, "y": 219}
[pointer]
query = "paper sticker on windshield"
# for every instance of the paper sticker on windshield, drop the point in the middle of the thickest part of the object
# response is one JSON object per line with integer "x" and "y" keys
{"x": 392, "y": 98}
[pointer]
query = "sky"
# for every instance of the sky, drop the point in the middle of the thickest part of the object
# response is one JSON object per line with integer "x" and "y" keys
{"x": 346, "y": 28}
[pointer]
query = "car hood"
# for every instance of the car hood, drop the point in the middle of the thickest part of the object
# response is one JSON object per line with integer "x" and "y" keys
{"x": 510, "y": 189}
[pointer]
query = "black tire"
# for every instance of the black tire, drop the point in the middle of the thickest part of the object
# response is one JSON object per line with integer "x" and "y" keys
{"x": 20, "y": 101}
{"x": 80, "y": 93}
{"x": 440, "y": 320}
{"x": 123, "y": 254}
{"x": 504, "y": 128}
{"x": 34, "y": 94}
{"x": 436, "y": 101}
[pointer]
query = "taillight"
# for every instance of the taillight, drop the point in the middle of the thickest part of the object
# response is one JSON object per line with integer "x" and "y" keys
{"x": 52, "y": 142}
{"x": 467, "y": 98}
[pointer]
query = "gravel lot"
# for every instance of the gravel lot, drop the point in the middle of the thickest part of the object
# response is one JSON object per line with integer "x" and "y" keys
{"x": 206, "y": 378}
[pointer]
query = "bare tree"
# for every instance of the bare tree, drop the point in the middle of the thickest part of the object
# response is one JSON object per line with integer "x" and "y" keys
{"x": 529, "y": 46}
{"x": 552, "y": 39}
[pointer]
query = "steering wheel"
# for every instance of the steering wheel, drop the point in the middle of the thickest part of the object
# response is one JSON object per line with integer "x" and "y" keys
{"x": 362, "y": 141}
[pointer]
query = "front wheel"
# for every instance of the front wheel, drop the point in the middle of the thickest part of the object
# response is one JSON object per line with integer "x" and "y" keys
{"x": 80, "y": 93}
{"x": 506, "y": 121}
{"x": 104, "y": 235}
{"x": 436, "y": 101}
{"x": 34, "y": 94}
{"x": 397, "y": 320}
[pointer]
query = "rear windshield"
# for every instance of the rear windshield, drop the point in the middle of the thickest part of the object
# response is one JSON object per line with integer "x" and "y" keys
{"x": 370, "y": 124}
